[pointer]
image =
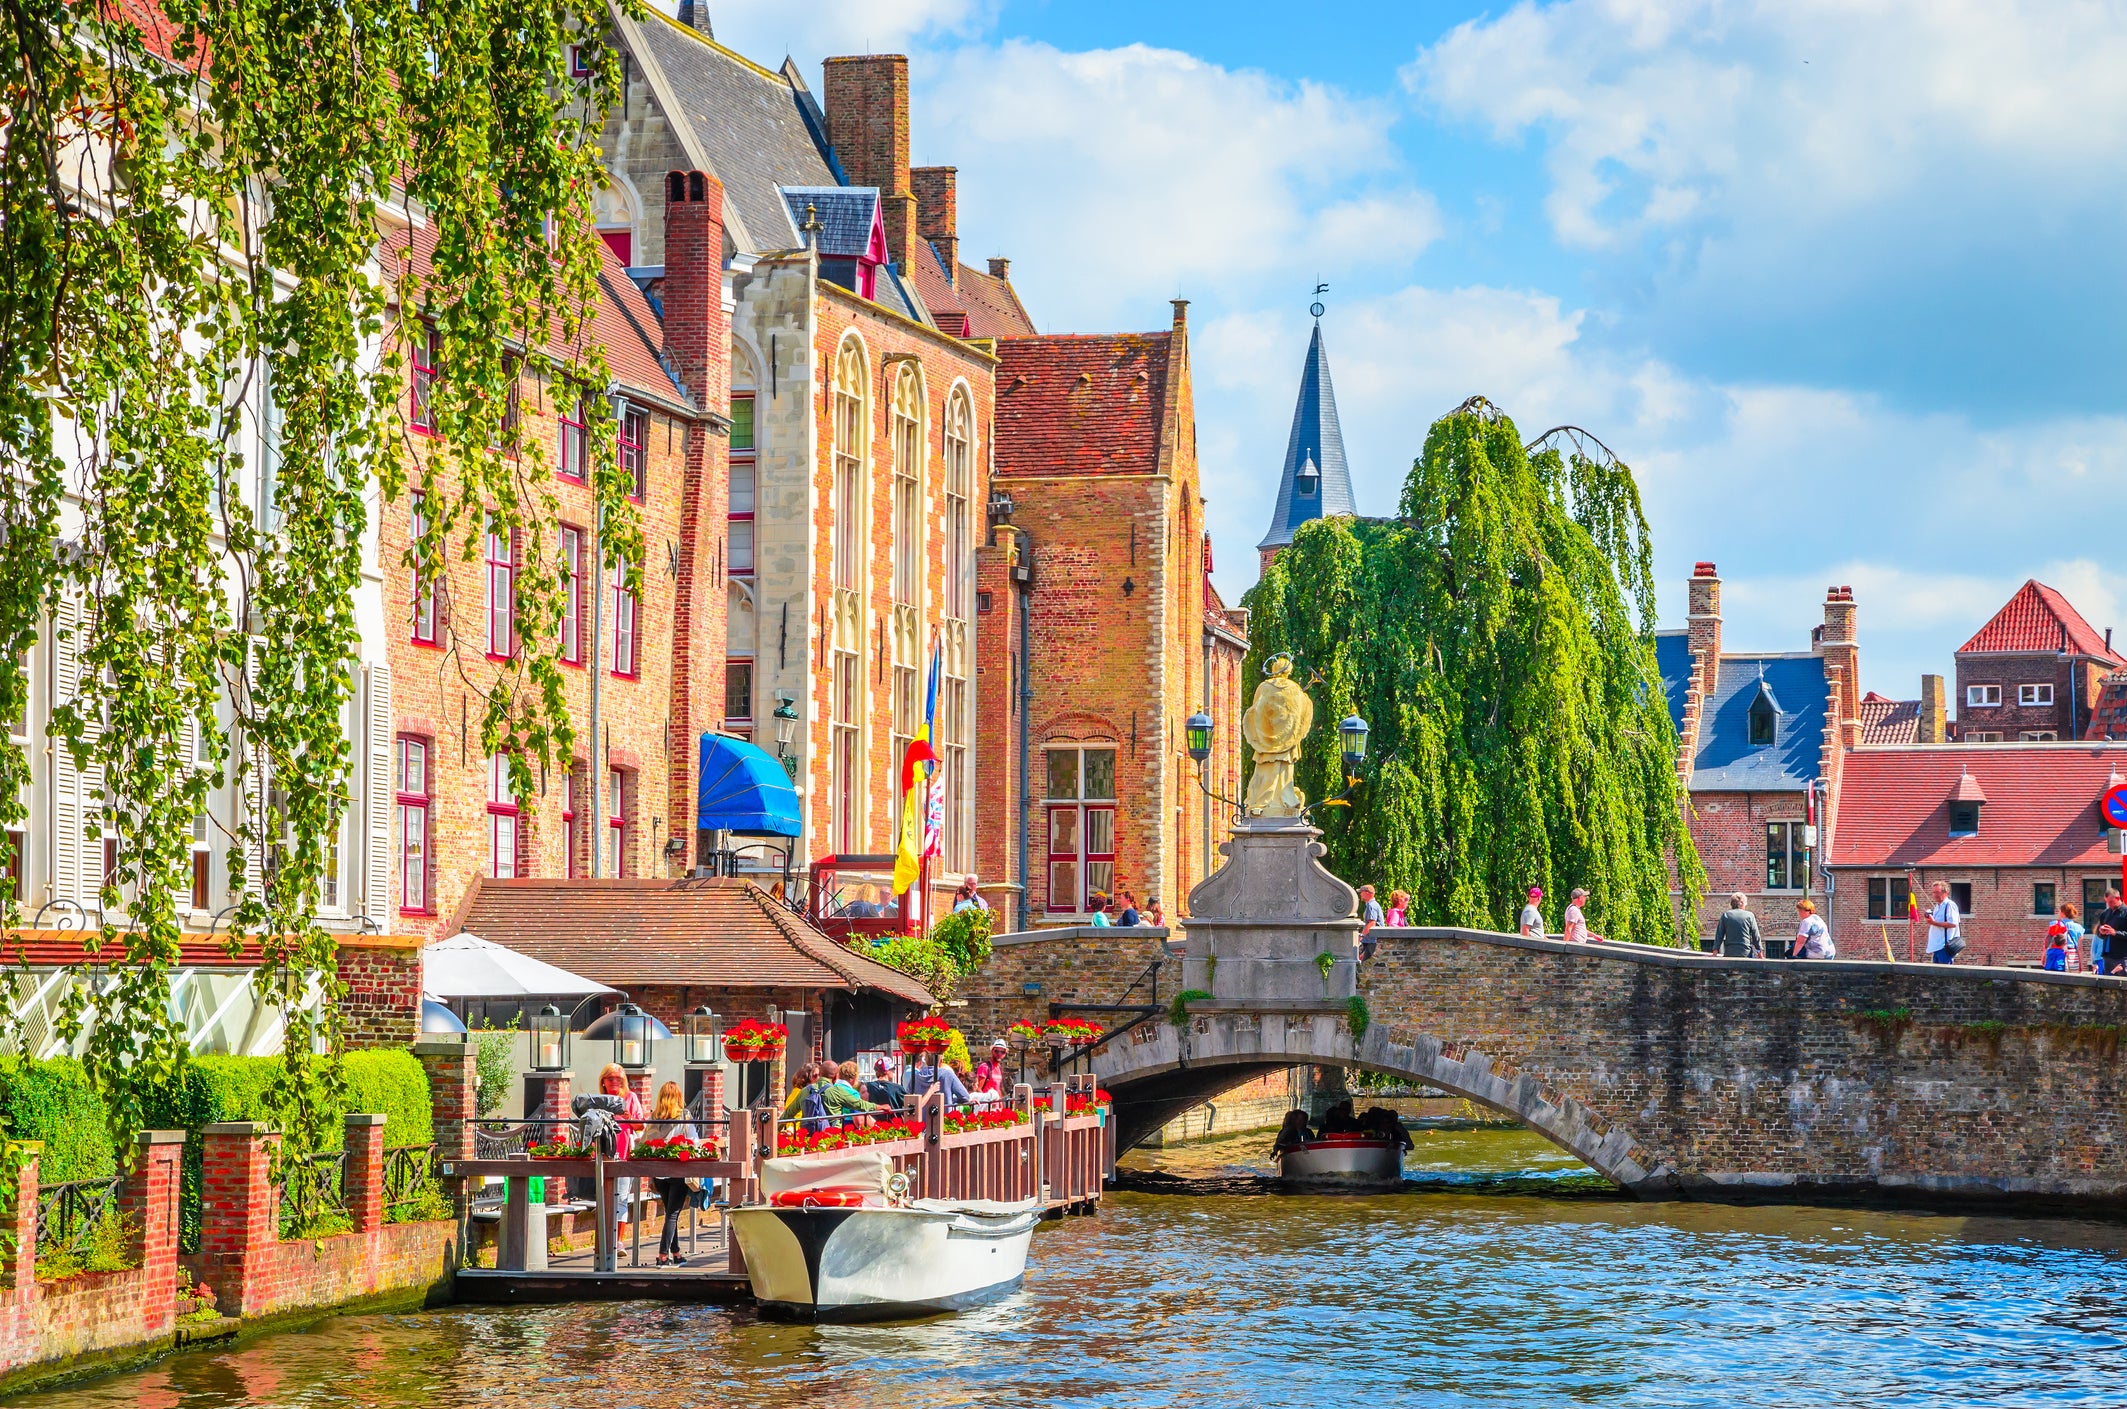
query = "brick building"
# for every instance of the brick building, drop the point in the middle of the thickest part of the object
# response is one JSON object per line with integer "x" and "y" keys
{"x": 1101, "y": 632}
{"x": 1758, "y": 733}
{"x": 861, "y": 417}
{"x": 2013, "y": 829}
{"x": 2033, "y": 673}
{"x": 645, "y": 635}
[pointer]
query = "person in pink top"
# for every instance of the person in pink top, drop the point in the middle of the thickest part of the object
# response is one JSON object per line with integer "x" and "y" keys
{"x": 614, "y": 1082}
{"x": 1576, "y": 930}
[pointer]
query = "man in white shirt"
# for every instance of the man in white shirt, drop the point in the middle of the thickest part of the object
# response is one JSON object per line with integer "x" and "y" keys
{"x": 1577, "y": 930}
{"x": 1532, "y": 919}
{"x": 1942, "y": 925}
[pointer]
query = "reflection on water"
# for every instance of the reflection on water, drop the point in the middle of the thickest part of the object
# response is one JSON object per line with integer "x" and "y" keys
{"x": 1426, "y": 1298}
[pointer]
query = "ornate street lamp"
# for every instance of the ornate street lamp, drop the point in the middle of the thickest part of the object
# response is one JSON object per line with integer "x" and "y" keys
{"x": 631, "y": 1037}
{"x": 786, "y": 729}
{"x": 1353, "y": 732}
{"x": 550, "y": 1040}
{"x": 704, "y": 1036}
{"x": 1196, "y": 732}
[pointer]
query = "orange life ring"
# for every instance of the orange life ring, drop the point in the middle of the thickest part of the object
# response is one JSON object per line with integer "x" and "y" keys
{"x": 817, "y": 1198}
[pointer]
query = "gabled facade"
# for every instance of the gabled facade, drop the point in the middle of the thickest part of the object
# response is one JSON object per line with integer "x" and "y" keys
{"x": 2032, "y": 673}
{"x": 1758, "y": 734}
{"x": 1315, "y": 481}
{"x": 1101, "y": 633}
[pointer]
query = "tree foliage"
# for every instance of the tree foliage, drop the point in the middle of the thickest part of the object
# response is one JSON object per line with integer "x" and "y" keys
{"x": 1497, "y": 637}
{"x": 198, "y": 206}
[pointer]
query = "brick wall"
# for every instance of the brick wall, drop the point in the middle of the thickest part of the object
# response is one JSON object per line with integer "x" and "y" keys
{"x": 439, "y": 691}
{"x": 2000, "y": 923}
{"x": 2074, "y": 682}
{"x": 1068, "y": 965}
{"x": 382, "y": 1003}
{"x": 866, "y": 99}
{"x": 1729, "y": 831}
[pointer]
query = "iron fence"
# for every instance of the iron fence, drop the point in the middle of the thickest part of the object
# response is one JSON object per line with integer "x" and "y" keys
{"x": 313, "y": 1193}
{"x": 69, "y": 1214}
{"x": 410, "y": 1178}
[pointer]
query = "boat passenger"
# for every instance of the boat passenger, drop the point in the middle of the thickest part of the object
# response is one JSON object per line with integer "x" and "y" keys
{"x": 1339, "y": 1120}
{"x": 1381, "y": 1121}
{"x": 670, "y": 1113}
{"x": 936, "y": 1073}
{"x": 882, "y": 1089}
{"x": 1292, "y": 1134}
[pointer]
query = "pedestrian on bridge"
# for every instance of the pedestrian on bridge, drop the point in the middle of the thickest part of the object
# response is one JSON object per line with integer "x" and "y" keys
{"x": 1812, "y": 939}
{"x": 1577, "y": 931}
{"x": 1532, "y": 919}
{"x": 2112, "y": 935}
{"x": 1369, "y": 916}
{"x": 1736, "y": 933}
{"x": 1945, "y": 931}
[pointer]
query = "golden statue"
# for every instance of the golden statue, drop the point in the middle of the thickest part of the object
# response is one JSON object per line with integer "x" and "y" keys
{"x": 1276, "y": 722}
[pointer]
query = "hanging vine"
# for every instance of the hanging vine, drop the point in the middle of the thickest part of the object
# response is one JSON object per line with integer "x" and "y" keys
{"x": 1498, "y": 638}
{"x": 225, "y": 221}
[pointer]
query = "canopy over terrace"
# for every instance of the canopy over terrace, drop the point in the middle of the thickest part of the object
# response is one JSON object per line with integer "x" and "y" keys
{"x": 718, "y": 941}
{"x": 480, "y": 979}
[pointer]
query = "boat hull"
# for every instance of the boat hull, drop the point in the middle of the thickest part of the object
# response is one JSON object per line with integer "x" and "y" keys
{"x": 881, "y": 1264}
{"x": 1343, "y": 1164}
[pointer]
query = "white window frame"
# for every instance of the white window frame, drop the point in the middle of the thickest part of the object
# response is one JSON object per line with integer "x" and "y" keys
{"x": 1982, "y": 697}
{"x": 2035, "y": 695}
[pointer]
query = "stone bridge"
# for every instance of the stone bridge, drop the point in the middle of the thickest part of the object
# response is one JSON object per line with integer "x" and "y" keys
{"x": 1674, "y": 1074}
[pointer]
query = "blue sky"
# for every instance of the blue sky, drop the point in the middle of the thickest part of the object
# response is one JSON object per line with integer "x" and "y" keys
{"x": 1844, "y": 282}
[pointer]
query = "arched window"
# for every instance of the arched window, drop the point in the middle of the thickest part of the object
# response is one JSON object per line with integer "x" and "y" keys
{"x": 613, "y": 212}
{"x": 953, "y": 723}
{"x": 852, "y": 428}
{"x": 908, "y": 699}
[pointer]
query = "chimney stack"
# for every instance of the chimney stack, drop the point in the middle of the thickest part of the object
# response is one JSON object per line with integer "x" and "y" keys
{"x": 698, "y": 342}
{"x": 1933, "y": 727}
{"x": 938, "y": 213}
{"x": 867, "y": 125}
{"x": 1704, "y": 625}
{"x": 1840, "y": 645}
{"x": 1000, "y": 268}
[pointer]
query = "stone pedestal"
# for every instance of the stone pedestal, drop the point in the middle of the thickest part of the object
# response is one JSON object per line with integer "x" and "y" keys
{"x": 1260, "y": 927}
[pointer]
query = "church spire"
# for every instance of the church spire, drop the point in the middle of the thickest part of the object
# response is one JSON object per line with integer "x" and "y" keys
{"x": 1315, "y": 481}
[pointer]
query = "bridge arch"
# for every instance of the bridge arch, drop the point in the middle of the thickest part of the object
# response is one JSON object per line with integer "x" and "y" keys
{"x": 1155, "y": 1073}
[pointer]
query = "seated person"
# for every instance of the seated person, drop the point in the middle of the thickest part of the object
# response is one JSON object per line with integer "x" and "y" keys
{"x": 1339, "y": 1120}
{"x": 882, "y": 1089}
{"x": 1292, "y": 1134}
{"x": 1381, "y": 1121}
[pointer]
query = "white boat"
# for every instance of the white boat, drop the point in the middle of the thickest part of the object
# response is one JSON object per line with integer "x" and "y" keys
{"x": 838, "y": 1240}
{"x": 1343, "y": 1162}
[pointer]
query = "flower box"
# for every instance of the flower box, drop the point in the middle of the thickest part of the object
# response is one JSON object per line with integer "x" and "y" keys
{"x": 678, "y": 1148}
{"x": 560, "y": 1149}
{"x": 919, "y": 1035}
{"x": 751, "y": 1040}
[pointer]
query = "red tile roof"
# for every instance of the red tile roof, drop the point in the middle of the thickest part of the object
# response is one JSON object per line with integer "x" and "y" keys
{"x": 1894, "y": 805}
{"x": 977, "y": 305}
{"x": 1081, "y": 403}
{"x": 715, "y": 933}
{"x": 2108, "y": 711}
{"x": 1888, "y": 721}
{"x": 2039, "y": 620}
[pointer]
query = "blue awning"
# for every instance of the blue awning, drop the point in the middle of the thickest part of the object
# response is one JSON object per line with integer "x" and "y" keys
{"x": 744, "y": 790}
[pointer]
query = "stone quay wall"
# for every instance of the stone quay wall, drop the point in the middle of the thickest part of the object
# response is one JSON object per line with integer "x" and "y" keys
{"x": 1069, "y": 965}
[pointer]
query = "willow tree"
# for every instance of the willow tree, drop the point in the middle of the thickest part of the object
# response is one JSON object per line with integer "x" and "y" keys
{"x": 202, "y": 201}
{"x": 1497, "y": 636}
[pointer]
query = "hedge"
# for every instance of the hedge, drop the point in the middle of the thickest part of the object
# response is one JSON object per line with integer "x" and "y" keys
{"x": 51, "y": 1101}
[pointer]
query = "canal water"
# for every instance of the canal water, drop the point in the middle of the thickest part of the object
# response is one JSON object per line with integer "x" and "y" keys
{"x": 1503, "y": 1275}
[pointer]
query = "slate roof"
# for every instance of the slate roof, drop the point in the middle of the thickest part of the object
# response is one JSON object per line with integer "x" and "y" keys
{"x": 1317, "y": 436}
{"x": 748, "y": 124}
{"x": 847, "y": 216}
{"x": 2041, "y": 810}
{"x": 1081, "y": 403}
{"x": 623, "y": 321}
{"x": 980, "y": 305}
{"x": 1727, "y": 761}
{"x": 2039, "y": 620}
{"x": 716, "y": 933}
{"x": 1888, "y": 721}
{"x": 1672, "y": 660}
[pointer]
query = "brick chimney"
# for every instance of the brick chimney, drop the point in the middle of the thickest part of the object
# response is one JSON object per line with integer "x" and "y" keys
{"x": 1933, "y": 727}
{"x": 867, "y": 125}
{"x": 698, "y": 341}
{"x": 1840, "y": 645}
{"x": 1000, "y": 268}
{"x": 938, "y": 213}
{"x": 1704, "y": 625}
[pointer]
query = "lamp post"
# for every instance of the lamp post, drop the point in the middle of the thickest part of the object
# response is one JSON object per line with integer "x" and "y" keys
{"x": 631, "y": 1038}
{"x": 1197, "y": 732}
{"x": 786, "y": 730}
{"x": 550, "y": 1040}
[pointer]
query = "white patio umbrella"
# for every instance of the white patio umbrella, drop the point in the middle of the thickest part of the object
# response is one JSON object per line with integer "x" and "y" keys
{"x": 467, "y": 966}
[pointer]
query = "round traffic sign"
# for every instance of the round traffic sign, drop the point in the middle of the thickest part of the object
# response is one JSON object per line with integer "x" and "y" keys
{"x": 2114, "y": 804}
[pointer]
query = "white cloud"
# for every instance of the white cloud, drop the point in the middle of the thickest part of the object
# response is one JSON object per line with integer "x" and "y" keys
{"x": 1117, "y": 177}
{"x": 767, "y": 30}
{"x": 1660, "y": 111}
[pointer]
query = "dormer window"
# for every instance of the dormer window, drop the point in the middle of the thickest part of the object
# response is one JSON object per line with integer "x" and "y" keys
{"x": 1764, "y": 719}
{"x": 1964, "y": 819}
{"x": 1309, "y": 481}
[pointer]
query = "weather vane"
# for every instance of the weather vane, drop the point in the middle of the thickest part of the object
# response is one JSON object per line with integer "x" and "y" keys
{"x": 1316, "y": 307}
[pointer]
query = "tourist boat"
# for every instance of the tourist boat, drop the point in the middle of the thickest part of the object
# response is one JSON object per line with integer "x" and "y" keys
{"x": 840, "y": 1240}
{"x": 1343, "y": 1162}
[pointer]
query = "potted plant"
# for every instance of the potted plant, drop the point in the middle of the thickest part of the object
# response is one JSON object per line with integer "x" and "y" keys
{"x": 751, "y": 1040}
{"x": 918, "y": 1035}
